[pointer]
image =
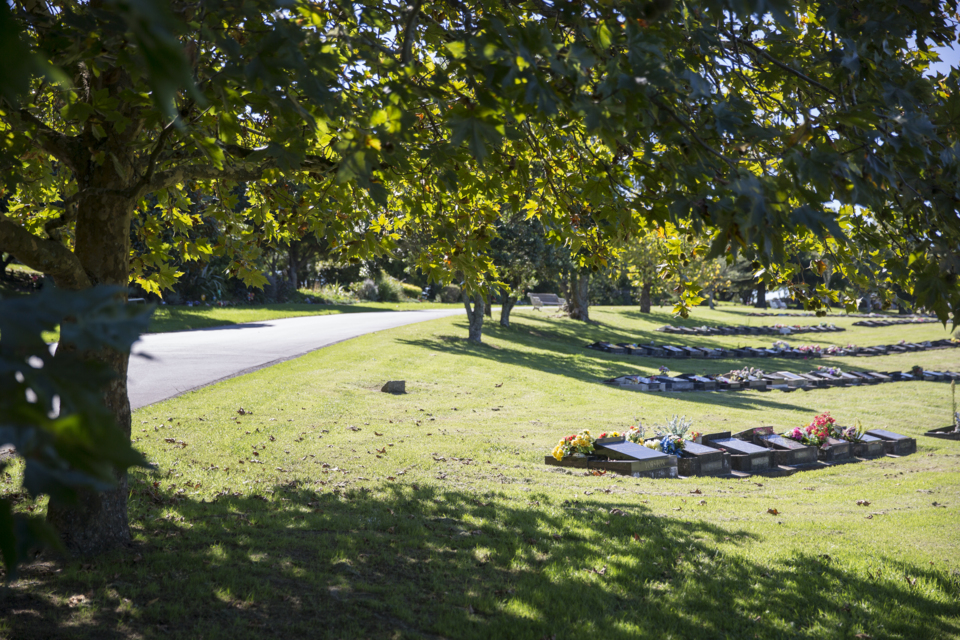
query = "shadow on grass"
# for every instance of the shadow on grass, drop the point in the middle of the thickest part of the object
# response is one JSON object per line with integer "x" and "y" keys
{"x": 421, "y": 562}
{"x": 558, "y": 351}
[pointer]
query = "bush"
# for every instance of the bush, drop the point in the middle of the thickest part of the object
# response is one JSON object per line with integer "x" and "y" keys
{"x": 450, "y": 293}
{"x": 367, "y": 290}
{"x": 389, "y": 289}
{"x": 411, "y": 290}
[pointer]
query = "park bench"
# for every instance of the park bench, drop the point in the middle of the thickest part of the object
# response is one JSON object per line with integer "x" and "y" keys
{"x": 539, "y": 300}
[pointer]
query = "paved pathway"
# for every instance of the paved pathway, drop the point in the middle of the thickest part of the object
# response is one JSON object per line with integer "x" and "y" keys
{"x": 185, "y": 360}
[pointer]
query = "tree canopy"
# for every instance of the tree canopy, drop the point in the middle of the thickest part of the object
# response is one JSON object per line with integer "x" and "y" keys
{"x": 764, "y": 127}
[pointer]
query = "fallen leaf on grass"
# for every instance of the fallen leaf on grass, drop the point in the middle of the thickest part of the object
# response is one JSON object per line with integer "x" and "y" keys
{"x": 599, "y": 572}
{"x": 863, "y": 503}
{"x": 863, "y": 636}
{"x": 702, "y": 502}
{"x": 697, "y": 491}
{"x": 354, "y": 428}
{"x": 377, "y": 434}
{"x": 617, "y": 512}
{"x": 773, "y": 512}
{"x": 76, "y": 601}
{"x": 498, "y": 385}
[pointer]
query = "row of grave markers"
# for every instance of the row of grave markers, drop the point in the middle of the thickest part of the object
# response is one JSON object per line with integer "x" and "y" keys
{"x": 778, "y": 380}
{"x": 744, "y": 330}
{"x": 678, "y": 352}
{"x": 754, "y": 451}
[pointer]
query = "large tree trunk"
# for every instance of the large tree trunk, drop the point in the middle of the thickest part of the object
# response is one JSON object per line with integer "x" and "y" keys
{"x": 474, "y": 316}
{"x": 98, "y": 522}
{"x": 489, "y": 307}
{"x": 645, "y": 298}
{"x": 506, "y": 306}
{"x": 294, "y": 265}
{"x": 761, "y": 302}
{"x": 579, "y": 301}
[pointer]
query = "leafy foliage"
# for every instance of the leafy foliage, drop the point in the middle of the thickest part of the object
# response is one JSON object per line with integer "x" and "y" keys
{"x": 51, "y": 406}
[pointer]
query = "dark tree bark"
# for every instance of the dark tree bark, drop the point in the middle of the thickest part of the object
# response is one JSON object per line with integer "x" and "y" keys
{"x": 98, "y": 522}
{"x": 645, "y": 298}
{"x": 474, "y": 316}
{"x": 761, "y": 302}
{"x": 506, "y": 307}
{"x": 294, "y": 254}
{"x": 489, "y": 307}
{"x": 579, "y": 301}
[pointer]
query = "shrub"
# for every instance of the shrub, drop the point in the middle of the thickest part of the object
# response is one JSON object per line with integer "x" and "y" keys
{"x": 450, "y": 293}
{"x": 367, "y": 290}
{"x": 411, "y": 290}
{"x": 389, "y": 289}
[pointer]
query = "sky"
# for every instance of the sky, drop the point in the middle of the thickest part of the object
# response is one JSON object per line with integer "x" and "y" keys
{"x": 949, "y": 58}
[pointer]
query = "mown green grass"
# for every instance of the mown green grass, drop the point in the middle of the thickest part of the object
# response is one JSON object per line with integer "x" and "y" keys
{"x": 432, "y": 514}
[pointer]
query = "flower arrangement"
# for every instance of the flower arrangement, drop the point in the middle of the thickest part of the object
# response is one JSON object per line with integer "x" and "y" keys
{"x": 671, "y": 445}
{"x": 815, "y": 433}
{"x": 635, "y": 434}
{"x": 675, "y": 426}
{"x": 902, "y": 342}
{"x": 916, "y": 371}
{"x": 781, "y": 345}
{"x": 833, "y": 371}
{"x": 850, "y": 434}
{"x": 810, "y": 349}
{"x": 664, "y": 369}
{"x": 612, "y": 434}
{"x": 742, "y": 375}
{"x": 580, "y": 443}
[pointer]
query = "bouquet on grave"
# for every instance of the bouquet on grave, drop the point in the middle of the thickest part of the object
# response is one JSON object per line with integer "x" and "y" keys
{"x": 815, "y": 433}
{"x": 833, "y": 371}
{"x": 781, "y": 345}
{"x": 611, "y": 434}
{"x": 850, "y": 434}
{"x": 742, "y": 375}
{"x": 807, "y": 349}
{"x": 579, "y": 443}
{"x": 916, "y": 371}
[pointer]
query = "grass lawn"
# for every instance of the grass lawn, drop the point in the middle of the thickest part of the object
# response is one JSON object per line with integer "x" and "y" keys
{"x": 328, "y": 509}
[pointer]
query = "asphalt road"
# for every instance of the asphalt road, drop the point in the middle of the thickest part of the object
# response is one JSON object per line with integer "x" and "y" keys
{"x": 186, "y": 360}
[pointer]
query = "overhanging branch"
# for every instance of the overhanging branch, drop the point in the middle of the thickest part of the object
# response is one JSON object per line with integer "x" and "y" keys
{"x": 47, "y": 256}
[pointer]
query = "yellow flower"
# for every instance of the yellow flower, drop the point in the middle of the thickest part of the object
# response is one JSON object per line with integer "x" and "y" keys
{"x": 615, "y": 434}
{"x": 558, "y": 452}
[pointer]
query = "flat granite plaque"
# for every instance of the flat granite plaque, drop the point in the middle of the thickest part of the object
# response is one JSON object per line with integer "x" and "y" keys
{"x": 622, "y": 449}
{"x": 789, "y": 452}
{"x": 868, "y": 447}
{"x": 792, "y": 379}
{"x": 635, "y": 468}
{"x": 833, "y": 450}
{"x": 698, "y": 460}
{"x": 895, "y": 443}
{"x": 744, "y": 456}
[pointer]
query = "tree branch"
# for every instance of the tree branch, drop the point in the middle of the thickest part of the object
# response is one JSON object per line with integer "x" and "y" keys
{"x": 783, "y": 66}
{"x": 177, "y": 175}
{"x": 47, "y": 256}
{"x": 731, "y": 162}
{"x": 51, "y": 140}
{"x": 408, "y": 33}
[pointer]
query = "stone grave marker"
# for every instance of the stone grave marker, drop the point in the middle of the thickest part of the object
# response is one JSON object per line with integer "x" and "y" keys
{"x": 833, "y": 450}
{"x": 698, "y": 460}
{"x": 793, "y": 379}
{"x": 895, "y": 443}
{"x": 646, "y": 462}
{"x": 868, "y": 447}
{"x": 744, "y": 456}
{"x": 786, "y": 452}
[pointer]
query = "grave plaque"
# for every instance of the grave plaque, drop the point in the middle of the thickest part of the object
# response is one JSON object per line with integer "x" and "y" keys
{"x": 879, "y": 376}
{"x": 726, "y": 383}
{"x": 868, "y": 447}
{"x": 792, "y": 379}
{"x": 675, "y": 384}
{"x": 786, "y": 452}
{"x": 693, "y": 352}
{"x": 698, "y": 460}
{"x": 744, "y": 456}
{"x": 674, "y": 352}
{"x": 833, "y": 450}
{"x": 864, "y": 378}
{"x": 645, "y": 461}
{"x": 895, "y": 443}
{"x": 704, "y": 383}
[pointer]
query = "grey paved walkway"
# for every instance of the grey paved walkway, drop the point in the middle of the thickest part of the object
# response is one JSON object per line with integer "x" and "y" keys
{"x": 186, "y": 360}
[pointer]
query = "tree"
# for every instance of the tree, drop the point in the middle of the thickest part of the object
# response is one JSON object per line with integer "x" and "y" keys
{"x": 751, "y": 120}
